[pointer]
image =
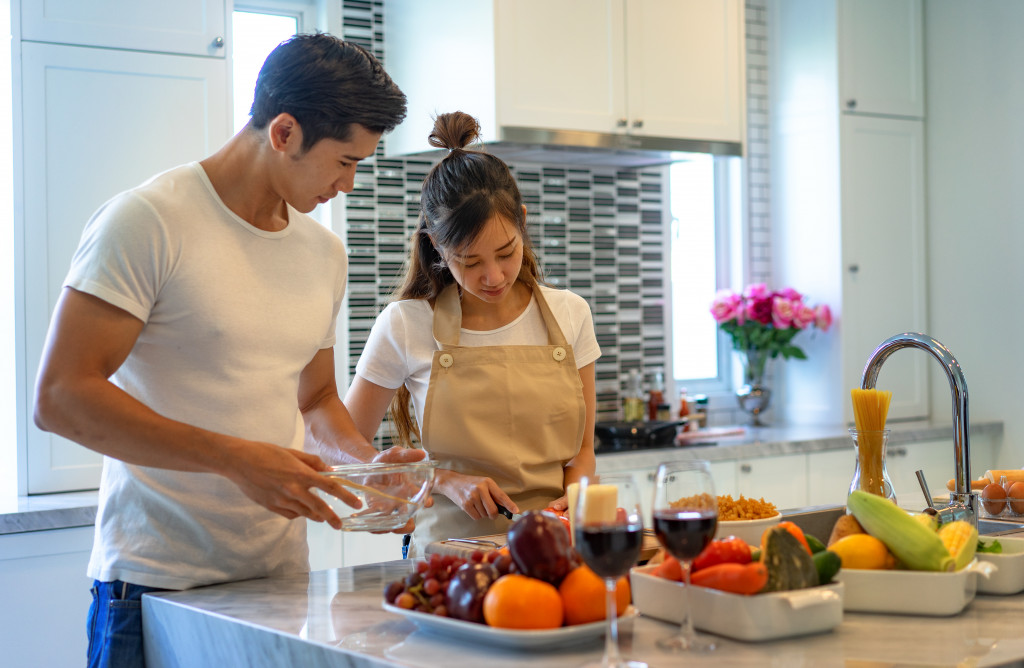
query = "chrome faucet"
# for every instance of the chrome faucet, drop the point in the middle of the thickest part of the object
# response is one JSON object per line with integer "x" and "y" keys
{"x": 961, "y": 499}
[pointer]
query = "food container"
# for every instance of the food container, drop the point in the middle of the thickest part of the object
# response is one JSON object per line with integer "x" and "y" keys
{"x": 748, "y": 530}
{"x": 1009, "y": 575}
{"x": 926, "y": 593}
{"x": 391, "y": 494}
{"x": 751, "y": 618}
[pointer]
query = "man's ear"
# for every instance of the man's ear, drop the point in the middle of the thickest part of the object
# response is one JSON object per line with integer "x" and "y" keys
{"x": 285, "y": 133}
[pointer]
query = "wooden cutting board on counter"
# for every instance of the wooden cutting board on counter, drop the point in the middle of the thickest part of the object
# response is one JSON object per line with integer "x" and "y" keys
{"x": 464, "y": 547}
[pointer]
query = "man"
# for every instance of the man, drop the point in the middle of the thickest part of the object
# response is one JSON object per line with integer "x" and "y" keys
{"x": 192, "y": 345}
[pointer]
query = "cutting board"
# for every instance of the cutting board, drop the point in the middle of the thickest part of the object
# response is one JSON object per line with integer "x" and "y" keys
{"x": 464, "y": 547}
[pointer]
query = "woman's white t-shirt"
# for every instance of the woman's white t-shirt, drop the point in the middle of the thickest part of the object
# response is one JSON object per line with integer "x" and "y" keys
{"x": 401, "y": 345}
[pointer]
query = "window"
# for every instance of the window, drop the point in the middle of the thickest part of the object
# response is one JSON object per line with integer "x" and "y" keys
{"x": 703, "y": 213}
{"x": 256, "y": 28}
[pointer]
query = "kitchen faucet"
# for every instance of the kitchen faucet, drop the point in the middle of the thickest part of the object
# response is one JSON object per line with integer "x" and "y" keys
{"x": 961, "y": 499}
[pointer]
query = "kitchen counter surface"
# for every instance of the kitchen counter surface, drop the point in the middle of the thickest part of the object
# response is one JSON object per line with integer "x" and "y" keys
{"x": 74, "y": 509}
{"x": 334, "y": 618}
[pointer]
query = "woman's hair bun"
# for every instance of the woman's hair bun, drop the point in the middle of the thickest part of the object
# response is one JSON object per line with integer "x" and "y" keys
{"x": 454, "y": 130}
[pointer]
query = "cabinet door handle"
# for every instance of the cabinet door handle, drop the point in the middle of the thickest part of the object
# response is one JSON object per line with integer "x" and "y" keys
{"x": 621, "y": 123}
{"x": 851, "y": 103}
{"x": 745, "y": 468}
{"x": 218, "y": 43}
{"x": 650, "y": 477}
{"x": 638, "y": 123}
{"x": 896, "y": 452}
{"x": 854, "y": 268}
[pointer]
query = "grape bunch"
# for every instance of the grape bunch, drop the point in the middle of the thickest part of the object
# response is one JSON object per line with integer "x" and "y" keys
{"x": 426, "y": 588}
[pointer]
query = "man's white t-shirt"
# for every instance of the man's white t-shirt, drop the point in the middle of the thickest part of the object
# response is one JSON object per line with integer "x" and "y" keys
{"x": 401, "y": 345}
{"x": 232, "y": 315}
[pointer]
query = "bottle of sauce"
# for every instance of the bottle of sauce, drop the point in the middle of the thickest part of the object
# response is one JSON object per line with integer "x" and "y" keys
{"x": 656, "y": 396}
{"x": 684, "y": 408}
{"x": 633, "y": 403}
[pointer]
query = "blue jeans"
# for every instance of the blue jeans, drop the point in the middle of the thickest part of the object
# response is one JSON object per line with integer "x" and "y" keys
{"x": 115, "y": 625}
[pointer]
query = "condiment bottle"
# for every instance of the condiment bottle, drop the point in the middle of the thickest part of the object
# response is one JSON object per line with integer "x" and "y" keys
{"x": 684, "y": 404}
{"x": 633, "y": 402}
{"x": 656, "y": 396}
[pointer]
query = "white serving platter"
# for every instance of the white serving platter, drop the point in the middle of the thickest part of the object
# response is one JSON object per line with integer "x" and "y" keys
{"x": 927, "y": 593}
{"x": 1009, "y": 576}
{"x": 751, "y": 618}
{"x": 512, "y": 639}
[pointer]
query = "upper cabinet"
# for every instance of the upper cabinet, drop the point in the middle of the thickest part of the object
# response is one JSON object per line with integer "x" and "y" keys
{"x": 191, "y": 27}
{"x": 602, "y": 73}
{"x": 881, "y": 56}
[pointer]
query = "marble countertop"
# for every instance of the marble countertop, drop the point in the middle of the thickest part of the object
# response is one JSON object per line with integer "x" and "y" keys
{"x": 334, "y": 618}
{"x": 75, "y": 509}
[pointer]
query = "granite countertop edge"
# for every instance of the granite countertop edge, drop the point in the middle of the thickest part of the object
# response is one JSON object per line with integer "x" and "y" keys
{"x": 46, "y": 512}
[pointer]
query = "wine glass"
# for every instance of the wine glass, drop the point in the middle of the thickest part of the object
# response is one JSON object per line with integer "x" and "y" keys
{"x": 685, "y": 514}
{"x": 609, "y": 533}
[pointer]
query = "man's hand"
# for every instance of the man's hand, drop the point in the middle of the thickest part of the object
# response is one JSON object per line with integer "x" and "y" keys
{"x": 282, "y": 481}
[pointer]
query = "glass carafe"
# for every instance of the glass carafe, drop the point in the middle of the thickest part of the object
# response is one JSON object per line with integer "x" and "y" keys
{"x": 870, "y": 474}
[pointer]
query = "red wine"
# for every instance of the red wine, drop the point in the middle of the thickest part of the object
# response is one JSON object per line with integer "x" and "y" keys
{"x": 609, "y": 550}
{"x": 684, "y": 533}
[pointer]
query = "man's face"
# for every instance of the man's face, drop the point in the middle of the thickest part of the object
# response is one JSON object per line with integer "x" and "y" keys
{"x": 329, "y": 167}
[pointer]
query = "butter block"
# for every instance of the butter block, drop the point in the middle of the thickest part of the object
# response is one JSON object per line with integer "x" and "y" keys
{"x": 600, "y": 503}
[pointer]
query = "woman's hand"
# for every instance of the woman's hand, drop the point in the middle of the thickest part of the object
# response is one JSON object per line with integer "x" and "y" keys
{"x": 478, "y": 496}
{"x": 561, "y": 504}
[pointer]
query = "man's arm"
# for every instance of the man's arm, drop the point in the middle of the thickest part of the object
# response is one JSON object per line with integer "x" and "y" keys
{"x": 87, "y": 342}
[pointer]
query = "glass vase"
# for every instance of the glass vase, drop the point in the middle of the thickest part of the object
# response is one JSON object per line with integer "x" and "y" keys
{"x": 870, "y": 474}
{"x": 754, "y": 396}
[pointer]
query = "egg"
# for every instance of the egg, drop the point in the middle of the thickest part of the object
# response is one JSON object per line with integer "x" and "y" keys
{"x": 1017, "y": 497}
{"x": 993, "y": 498}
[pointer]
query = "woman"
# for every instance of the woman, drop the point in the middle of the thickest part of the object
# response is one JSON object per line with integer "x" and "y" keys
{"x": 500, "y": 369}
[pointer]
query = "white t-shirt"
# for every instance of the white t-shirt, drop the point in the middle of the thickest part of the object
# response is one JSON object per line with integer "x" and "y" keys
{"x": 401, "y": 345}
{"x": 232, "y": 314}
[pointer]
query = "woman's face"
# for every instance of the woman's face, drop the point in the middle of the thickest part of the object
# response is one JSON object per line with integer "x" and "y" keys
{"x": 488, "y": 267}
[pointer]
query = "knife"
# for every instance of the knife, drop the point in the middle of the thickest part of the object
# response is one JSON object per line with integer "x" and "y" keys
{"x": 508, "y": 513}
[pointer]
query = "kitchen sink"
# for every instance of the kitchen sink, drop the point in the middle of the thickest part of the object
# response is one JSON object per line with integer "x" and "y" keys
{"x": 818, "y": 521}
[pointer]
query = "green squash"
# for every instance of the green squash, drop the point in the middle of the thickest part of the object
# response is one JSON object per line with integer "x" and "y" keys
{"x": 788, "y": 563}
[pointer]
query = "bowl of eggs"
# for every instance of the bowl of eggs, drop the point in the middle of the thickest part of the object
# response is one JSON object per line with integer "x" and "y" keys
{"x": 1003, "y": 498}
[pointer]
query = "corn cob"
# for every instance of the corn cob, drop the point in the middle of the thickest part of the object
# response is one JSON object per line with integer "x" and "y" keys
{"x": 916, "y": 546}
{"x": 961, "y": 541}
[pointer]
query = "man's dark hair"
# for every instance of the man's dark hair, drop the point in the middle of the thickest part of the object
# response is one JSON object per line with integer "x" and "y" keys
{"x": 327, "y": 84}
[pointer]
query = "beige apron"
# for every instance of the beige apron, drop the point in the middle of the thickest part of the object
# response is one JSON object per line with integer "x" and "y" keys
{"x": 512, "y": 413}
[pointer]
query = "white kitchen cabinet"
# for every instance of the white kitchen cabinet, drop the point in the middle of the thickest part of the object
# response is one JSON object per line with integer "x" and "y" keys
{"x": 93, "y": 122}
{"x": 848, "y": 198}
{"x": 45, "y": 597}
{"x": 642, "y": 68}
{"x": 829, "y": 474}
{"x": 881, "y": 57}
{"x": 781, "y": 479}
{"x": 193, "y": 27}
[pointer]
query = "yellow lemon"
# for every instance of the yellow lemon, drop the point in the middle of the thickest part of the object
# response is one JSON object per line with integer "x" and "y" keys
{"x": 862, "y": 550}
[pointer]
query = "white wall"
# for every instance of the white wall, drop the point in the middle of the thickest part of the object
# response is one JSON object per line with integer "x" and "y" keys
{"x": 8, "y": 377}
{"x": 975, "y": 143}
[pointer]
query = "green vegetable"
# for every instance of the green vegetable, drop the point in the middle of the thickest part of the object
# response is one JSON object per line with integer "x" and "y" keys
{"x": 827, "y": 563}
{"x": 992, "y": 548}
{"x": 755, "y": 554}
{"x": 915, "y": 545}
{"x": 813, "y": 543}
{"x": 789, "y": 564}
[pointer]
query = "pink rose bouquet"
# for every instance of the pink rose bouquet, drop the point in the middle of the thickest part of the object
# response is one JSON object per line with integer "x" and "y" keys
{"x": 763, "y": 321}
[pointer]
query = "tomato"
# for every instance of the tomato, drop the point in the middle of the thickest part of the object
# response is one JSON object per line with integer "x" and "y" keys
{"x": 734, "y": 578}
{"x": 730, "y": 550}
{"x": 561, "y": 515}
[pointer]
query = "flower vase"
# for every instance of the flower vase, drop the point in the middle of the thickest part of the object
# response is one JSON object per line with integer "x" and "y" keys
{"x": 870, "y": 474}
{"x": 754, "y": 395}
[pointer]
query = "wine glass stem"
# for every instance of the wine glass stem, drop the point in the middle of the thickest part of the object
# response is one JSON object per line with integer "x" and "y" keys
{"x": 687, "y": 629}
{"x": 611, "y": 636}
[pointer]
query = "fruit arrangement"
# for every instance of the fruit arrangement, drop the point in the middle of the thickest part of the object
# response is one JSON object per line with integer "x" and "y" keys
{"x": 536, "y": 581}
{"x": 787, "y": 559}
{"x": 880, "y": 535}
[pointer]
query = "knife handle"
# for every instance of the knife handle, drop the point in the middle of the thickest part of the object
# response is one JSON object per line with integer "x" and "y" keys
{"x": 504, "y": 511}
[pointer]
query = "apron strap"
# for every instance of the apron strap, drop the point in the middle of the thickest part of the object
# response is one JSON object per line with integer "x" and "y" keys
{"x": 448, "y": 317}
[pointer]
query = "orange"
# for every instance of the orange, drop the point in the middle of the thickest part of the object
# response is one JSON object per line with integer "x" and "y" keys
{"x": 583, "y": 596}
{"x": 519, "y": 602}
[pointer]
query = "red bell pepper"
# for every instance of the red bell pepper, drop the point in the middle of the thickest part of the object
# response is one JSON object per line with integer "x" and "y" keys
{"x": 730, "y": 550}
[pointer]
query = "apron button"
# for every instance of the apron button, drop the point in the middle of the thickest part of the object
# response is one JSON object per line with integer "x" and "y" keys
{"x": 558, "y": 353}
{"x": 446, "y": 360}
